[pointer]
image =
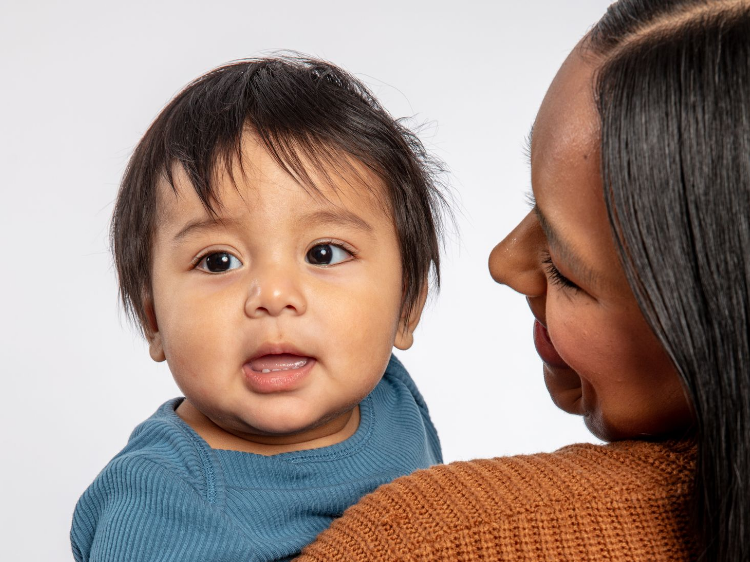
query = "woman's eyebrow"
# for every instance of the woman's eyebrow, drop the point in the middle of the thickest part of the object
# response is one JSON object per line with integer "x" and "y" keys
{"x": 527, "y": 145}
{"x": 581, "y": 270}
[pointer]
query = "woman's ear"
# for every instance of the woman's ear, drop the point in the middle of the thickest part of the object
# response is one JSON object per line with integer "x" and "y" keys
{"x": 405, "y": 334}
{"x": 151, "y": 330}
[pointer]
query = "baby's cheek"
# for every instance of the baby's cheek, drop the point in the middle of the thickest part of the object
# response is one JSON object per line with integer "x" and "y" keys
{"x": 190, "y": 352}
{"x": 366, "y": 335}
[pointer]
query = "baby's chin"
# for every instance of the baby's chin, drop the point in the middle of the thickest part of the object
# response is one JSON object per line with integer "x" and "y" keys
{"x": 287, "y": 428}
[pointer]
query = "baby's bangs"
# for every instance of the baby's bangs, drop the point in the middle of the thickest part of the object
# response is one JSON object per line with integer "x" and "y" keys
{"x": 300, "y": 111}
{"x": 311, "y": 163}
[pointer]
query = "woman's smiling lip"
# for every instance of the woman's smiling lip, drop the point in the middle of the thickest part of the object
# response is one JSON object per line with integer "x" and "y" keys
{"x": 546, "y": 349}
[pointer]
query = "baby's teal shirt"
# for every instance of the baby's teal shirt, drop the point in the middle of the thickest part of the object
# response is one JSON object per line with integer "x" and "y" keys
{"x": 169, "y": 496}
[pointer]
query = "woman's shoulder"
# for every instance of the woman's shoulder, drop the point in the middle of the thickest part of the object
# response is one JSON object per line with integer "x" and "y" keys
{"x": 586, "y": 471}
{"x": 630, "y": 498}
{"x": 570, "y": 480}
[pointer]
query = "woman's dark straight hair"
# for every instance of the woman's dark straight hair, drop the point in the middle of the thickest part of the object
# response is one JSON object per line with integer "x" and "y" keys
{"x": 673, "y": 92}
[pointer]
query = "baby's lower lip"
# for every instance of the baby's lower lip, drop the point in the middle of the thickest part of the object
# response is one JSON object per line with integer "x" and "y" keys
{"x": 276, "y": 373}
{"x": 278, "y": 362}
{"x": 546, "y": 349}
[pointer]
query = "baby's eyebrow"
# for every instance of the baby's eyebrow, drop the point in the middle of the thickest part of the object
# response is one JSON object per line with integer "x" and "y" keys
{"x": 338, "y": 216}
{"x": 200, "y": 225}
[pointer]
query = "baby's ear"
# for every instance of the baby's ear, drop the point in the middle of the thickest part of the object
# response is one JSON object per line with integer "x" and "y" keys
{"x": 405, "y": 334}
{"x": 151, "y": 330}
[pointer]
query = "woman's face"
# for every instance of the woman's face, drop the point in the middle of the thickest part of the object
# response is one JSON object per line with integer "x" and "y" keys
{"x": 601, "y": 359}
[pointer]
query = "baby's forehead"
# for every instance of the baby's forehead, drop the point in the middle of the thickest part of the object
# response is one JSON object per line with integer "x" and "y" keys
{"x": 335, "y": 189}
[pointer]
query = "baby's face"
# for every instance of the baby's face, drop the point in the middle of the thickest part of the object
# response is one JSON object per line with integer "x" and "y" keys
{"x": 280, "y": 317}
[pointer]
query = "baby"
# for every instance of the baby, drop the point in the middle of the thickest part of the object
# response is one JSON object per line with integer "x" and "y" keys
{"x": 274, "y": 236}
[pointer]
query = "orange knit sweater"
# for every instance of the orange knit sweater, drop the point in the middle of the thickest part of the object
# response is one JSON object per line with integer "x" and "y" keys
{"x": 623, "y": 501}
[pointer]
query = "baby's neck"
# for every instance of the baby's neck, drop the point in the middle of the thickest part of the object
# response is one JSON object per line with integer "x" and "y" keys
{"x": 334, "y": 431}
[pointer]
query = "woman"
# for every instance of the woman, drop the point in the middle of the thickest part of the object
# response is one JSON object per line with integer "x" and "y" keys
{"x": 635, "y": 262}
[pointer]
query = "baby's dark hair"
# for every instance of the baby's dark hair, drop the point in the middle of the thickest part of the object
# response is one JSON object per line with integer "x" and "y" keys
{"x": 305, "y": 112}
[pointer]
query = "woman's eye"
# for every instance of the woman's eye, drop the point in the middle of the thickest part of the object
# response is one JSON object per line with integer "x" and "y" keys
{"x": 218, "y": 262}
{"x": 557, "y": 278}
{"x": 327, "y": 254}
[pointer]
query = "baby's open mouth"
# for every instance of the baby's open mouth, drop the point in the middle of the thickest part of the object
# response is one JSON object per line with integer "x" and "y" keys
{"x": 281, "y": 362}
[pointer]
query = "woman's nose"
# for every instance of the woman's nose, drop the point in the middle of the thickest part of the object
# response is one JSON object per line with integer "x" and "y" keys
{"x": 275, "y": 290}
{"x": 517, "y": 260}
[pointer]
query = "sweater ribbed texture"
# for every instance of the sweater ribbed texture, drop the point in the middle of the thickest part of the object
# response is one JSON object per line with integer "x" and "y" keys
{"x": 625, "y": 501}
{"x": 169, "y": 497}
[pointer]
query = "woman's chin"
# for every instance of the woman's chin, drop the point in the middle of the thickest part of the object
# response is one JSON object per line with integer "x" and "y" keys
{"x": 600, "y": 429}
{"x": 564, "y": 387}
{"x": 616, "y": 429}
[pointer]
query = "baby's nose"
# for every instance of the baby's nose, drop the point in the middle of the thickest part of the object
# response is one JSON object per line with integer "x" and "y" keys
{"x": 274, "y": 293}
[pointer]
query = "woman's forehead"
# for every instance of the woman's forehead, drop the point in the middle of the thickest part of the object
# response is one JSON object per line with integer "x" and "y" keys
{"x": 567, "y": 125}
{"x": 565, "y": 146}
{"x": 566, "y": 174}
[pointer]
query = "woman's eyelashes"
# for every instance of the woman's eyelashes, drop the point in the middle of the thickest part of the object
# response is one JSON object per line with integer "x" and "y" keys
{"x": 328, "y": 253}
{"x": 218, "y": 262}
{"x": 555, "y": 277}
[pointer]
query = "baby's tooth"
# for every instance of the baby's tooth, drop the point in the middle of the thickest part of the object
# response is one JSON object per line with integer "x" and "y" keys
{"x": 266, "y": 371}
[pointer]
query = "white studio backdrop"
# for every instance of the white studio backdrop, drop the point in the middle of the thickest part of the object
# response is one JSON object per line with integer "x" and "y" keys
{"x": 82, "y": 80}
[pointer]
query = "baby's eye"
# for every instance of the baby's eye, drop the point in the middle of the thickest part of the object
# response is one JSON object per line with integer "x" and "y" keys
{"x": 218, "y": 262}
{"x": 327, "y": 254}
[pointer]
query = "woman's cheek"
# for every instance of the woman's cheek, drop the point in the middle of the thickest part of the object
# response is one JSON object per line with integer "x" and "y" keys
{"x": 564, "y": 327}
{"x": 582, "y": 341}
